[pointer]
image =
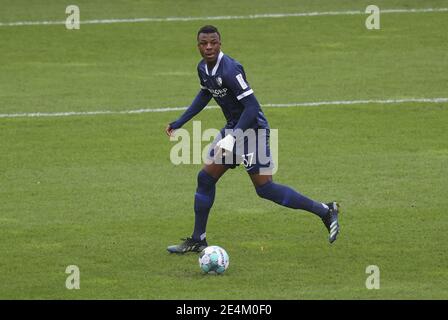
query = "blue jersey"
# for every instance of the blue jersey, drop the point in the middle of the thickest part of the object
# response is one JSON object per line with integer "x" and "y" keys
{"x": 228, "y": 85}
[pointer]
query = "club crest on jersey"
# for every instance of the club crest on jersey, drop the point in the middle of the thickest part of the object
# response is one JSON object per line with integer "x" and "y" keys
{"x": 219, "y": 81}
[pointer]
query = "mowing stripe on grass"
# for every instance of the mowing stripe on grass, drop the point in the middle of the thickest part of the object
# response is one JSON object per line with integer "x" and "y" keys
{"x": 269, "y": 105}
{"x": 243, "y": 17}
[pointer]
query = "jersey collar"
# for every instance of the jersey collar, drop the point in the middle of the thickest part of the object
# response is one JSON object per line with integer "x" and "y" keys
{"x": 215, "y": 68}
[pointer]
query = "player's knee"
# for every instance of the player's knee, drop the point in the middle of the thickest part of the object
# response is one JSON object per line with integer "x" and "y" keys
{"x": 260, "y": 194}
{"x": 206, "y": 180}
{"x": 264, "y": 190}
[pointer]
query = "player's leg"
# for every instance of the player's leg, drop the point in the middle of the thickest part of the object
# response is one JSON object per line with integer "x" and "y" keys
{"x": 205, "y": 192}
{"x": 260, "y": 173}
{"x": 288, "y": 197}
{"x": 205, "y": 197}
{"x": 215, "y": 170}
{"x": 266, "y": 188}
{"x": 203, "y": 201}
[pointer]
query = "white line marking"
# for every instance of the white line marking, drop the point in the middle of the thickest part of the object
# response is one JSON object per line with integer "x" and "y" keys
{"x": 270, "y": 105}
{"x": 245, "y": 17}
{"x": 349, "y": 102}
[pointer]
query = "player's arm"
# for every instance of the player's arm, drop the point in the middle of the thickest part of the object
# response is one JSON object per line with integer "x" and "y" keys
{"x": 198, "y": 104}
{"x": 237, "y": 83}
{"x": 249, "y": 116}
{"x": 247, "y": 119}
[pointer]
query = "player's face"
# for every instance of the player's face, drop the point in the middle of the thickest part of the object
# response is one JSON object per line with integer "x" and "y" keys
{"x": 209, "y": 46}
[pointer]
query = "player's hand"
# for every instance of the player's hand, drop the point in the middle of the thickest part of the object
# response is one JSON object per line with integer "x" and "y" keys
{"x": 169, "y": 131}
{"x": 224, "y": 145}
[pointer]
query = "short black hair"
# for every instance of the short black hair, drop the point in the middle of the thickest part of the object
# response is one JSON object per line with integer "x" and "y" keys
{"x": 209, "y": 29}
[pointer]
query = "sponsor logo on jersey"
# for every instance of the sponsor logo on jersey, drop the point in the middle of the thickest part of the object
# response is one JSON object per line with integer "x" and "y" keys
{"x": 218, "y": 93}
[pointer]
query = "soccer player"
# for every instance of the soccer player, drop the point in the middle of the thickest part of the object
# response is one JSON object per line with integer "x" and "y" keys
{"x": 224, "y": 79}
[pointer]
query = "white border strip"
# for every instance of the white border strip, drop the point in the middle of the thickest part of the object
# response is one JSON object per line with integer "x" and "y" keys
{"x": 270, "y": 105}
{"x": 245, "y": 94}
{"x": 246, "y": 17}
{"x": 350, "y": 102}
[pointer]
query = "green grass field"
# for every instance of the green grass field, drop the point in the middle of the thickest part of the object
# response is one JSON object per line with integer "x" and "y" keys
{"x": 100, "y": 192}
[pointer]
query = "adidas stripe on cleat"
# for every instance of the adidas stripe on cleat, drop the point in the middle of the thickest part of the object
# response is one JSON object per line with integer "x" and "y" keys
{"x": 331, "y": 221}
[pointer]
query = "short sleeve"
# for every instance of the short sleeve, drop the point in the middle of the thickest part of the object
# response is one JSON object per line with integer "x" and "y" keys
{"x": 236, "y": 81}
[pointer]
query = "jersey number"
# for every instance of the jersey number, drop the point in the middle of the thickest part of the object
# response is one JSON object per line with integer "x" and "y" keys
{"x": 247, "y": 159}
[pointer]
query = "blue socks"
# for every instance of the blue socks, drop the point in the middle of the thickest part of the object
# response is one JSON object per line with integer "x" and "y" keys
{"x": 283, "y": 195}
{"x": 203, "y": 201}
{"x": 288, "y": 197}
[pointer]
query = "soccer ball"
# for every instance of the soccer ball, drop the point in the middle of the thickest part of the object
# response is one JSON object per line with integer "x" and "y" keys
{"x": 214, "y": 259}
